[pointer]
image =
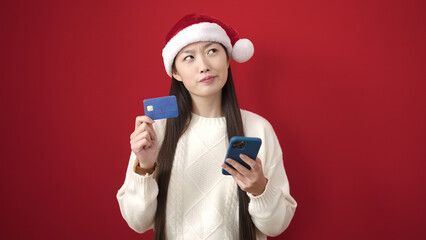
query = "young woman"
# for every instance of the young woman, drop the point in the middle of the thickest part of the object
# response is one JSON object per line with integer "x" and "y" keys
{"x": 174, "y": 181}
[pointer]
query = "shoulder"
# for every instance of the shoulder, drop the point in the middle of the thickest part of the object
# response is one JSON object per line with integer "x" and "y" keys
{"x": 253, "y": 118}
{"x": 254, "y": 123}
{"x": 256, "y": 126}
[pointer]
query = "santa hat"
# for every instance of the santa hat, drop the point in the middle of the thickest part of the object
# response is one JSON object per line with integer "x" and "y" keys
{"x": 196, "y": 28}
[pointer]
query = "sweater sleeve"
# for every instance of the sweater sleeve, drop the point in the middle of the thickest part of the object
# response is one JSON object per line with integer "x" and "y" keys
{"x": 137, "y": 199}
{"x": 273, "y": 210}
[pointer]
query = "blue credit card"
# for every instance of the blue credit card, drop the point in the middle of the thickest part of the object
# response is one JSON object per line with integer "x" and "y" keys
{"x": 159, "y": 108}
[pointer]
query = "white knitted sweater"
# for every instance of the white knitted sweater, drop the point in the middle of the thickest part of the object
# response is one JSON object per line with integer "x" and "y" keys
{"x": 202, "y": 203}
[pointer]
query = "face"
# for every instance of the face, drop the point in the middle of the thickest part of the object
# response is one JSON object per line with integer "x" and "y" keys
{"x": 203, "y": 68}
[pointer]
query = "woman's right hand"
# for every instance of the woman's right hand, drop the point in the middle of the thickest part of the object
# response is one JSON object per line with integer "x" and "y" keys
{"x": 143, "y": 142}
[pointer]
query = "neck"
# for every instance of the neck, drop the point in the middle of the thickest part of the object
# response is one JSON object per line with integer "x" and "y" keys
{"x": 210, "y": 107}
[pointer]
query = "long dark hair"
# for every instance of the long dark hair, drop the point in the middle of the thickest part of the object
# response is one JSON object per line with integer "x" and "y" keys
{"x": 175, "y": 127}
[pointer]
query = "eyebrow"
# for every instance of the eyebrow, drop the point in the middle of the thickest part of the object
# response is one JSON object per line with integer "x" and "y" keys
{"x": 192, "y": 50}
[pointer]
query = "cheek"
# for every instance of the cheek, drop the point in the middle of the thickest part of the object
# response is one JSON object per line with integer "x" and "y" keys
{"x": 225, "y": 65}
{"x": 224, "y": 77}
{"x": 225, "y": 70}
{"x": 183, "y": 74}
{"x": 225, "y": 74}
{"x": 187, "y": 81}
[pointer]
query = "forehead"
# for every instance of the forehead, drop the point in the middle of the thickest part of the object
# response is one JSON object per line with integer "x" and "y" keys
{"x": 196, "y": 45}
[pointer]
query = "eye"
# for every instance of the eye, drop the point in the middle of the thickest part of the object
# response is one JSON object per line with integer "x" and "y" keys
{"x": 188, "y": 58}
{"x": 211, "y": 51}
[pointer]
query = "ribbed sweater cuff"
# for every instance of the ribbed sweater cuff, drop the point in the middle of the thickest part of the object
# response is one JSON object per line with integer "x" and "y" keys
{"x": 264, "y": 201}
{"x": 145, "y": 184}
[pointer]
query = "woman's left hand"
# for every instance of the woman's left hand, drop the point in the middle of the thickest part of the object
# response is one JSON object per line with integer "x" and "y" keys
{"x": 252, "y": 181}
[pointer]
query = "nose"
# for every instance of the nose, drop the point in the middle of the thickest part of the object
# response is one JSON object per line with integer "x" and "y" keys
{"x": 204, "y": 65}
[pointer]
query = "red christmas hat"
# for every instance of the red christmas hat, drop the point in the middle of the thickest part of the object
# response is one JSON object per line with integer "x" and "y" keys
{"x": 196, "y": 28}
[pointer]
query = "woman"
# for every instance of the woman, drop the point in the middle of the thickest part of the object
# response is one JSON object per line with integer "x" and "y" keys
{"x": 174, "y": 182}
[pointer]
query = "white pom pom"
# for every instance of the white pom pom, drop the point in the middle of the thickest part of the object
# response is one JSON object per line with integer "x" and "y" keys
{"x": 243, "y": 50}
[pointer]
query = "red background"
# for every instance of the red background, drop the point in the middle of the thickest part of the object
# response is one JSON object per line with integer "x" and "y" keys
{"x": 342, "y": 82}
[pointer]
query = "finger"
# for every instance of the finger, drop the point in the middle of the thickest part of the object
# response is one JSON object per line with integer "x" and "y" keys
{"x": 239, "y": 179}
{"x": 146, "y": 127}
{"x": 240, "y": 168}
{"x": 146, "y": 144}
{"x": 137, "y": 143}
{"x": 139, "y": 146}
{"x": 152, "y": 132}
{"x": 230, "y": 170}
{"x": 248, "y": 160}
{"x": 258, "y": 165}
{"x": 140, "y": 137}
{"x": 141, "y": 128}
{"x": 142, "y": 119}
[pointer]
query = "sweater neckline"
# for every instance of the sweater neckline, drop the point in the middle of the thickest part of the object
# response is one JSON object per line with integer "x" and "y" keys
{"x": 207, "y": 120}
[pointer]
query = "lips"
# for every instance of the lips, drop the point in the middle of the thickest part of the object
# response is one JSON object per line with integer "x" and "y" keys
{"x": 207, "y": 79}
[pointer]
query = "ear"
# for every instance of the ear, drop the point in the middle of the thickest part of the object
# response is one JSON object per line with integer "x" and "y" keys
{"x": 176, "y": 75}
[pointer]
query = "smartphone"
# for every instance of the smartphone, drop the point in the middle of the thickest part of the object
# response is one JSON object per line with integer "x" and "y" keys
{"x": 242, "y": 145}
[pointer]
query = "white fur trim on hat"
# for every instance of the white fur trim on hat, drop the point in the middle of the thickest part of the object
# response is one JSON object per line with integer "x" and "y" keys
{"x": 199, "y": 32}
{"x": 243, "y": 50}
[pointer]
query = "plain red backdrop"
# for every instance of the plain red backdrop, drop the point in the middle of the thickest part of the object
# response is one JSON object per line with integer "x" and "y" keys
{"x": 342, "y": 82}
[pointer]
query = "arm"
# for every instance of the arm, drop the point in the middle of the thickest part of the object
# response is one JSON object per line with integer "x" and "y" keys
{"x": 271, "y": 207}
{"x": 137, "y": 198}
{"x": 272, "y": 210}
